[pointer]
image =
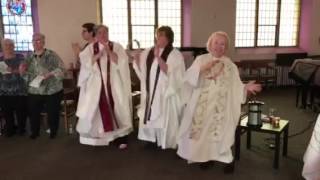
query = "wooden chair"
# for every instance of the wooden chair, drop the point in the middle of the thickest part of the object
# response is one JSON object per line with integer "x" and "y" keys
{"x": 69, "y": 104}
{"x": 135, "y": 88}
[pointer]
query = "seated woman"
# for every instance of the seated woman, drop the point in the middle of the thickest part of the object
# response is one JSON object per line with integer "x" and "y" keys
{"x": 13, "y": 89}
{"x": 215, "y": 93}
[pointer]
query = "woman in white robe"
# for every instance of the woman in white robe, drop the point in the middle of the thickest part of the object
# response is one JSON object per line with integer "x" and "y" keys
{"x": 214, "y": 96}
{"x": 161, "y": 106}
{"x": 111, "y": 57}
{"x": 311, "y": 168}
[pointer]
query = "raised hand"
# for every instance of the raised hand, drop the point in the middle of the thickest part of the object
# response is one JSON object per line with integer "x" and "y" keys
{"x": 253, "y": 88}
{"x": 135, "y": 56}
{"x": 214, "y": 75}
{"x": 112, "y": 55}
{"x": 106, "y": 47}
{"x": 76, "y": 48}
{"x": 97, "y": 56}
{"x": 156, "y": 52}
{"x": 207, "y": 66}
{"x": 162, "y": 64}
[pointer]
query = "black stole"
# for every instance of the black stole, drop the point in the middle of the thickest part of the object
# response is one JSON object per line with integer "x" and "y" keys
{"x": 149, "y": 62}
{"x": 106, "y": 103}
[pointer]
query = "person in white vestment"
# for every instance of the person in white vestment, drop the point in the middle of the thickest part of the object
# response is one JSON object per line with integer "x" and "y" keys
{"x": 311, "y": 168}
{"x": 104, "y": 107}
{"x": 160, "y": 70}
{"x": 88, "y": 34}
{"x": 214, "y": 95}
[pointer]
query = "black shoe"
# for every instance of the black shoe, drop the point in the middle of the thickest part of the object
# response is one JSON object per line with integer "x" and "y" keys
{"x": 229, "y": 168}
{"x": 53, "y": 135}
{"x": 34, "y": 136}
{"x": 150, "y": 146}
{"x": 22, "y": 132}
{"x": 206, "y": 165}
{"x": 9, "y": 134}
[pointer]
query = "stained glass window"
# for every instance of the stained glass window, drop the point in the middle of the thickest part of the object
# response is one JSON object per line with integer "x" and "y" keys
{"x": 17, "y": 27}
{"x": 261, "y": 23}
{"x": 133, "y": 22}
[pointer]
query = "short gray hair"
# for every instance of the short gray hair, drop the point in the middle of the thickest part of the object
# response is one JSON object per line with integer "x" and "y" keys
{"x": 101, "y": 26}
{"x": 7, "y": 40}
{"x": 42, "y": 36}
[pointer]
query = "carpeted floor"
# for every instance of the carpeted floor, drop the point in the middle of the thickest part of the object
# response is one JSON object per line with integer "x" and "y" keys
{"x": 64, "y": 158}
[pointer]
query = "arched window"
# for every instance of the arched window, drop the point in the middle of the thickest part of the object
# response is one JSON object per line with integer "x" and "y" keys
{"x": 17, "y": 23}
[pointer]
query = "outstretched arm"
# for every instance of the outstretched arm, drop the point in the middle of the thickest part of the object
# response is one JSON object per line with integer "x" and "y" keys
{"x": 252, "y": 87}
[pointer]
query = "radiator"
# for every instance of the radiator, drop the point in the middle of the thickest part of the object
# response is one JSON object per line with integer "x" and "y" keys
{"x": 282, "y": 73}
{"x": 283, "y": 76}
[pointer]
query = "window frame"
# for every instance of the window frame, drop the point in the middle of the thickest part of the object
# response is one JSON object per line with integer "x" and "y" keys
{"x": 156, "y": 24}
{"x": 34, "y": 15}
{"x": 277, "y": 30}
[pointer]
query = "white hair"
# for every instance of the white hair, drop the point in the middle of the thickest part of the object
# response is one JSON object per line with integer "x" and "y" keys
{"x": 213, "y": 35}
{"x": 7, "y": 41}
{"x": 42, "y": 36}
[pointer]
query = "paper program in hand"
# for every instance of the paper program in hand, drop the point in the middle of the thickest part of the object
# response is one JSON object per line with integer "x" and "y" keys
{"x": 36, "y": 82}
{"x": 3, "y": 68}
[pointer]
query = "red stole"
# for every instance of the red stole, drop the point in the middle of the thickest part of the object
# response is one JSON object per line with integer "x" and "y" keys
{"x": 106, "y": 103}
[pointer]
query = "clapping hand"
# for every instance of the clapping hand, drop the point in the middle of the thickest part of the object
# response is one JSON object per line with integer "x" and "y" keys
{"x": 76, "y": 48}
{"x": 162, "y": 64}
{"x": 214, "y": 75}
{"x": 135, "y": 56}
{"x": 106, "y": 47}
{"x": 156, "y": 52}
{"x": 97, "y": 56}
{"x": 207, "y": 66}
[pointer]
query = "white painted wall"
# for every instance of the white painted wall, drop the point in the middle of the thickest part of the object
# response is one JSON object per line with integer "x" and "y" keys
{"x": 61, "y": 20}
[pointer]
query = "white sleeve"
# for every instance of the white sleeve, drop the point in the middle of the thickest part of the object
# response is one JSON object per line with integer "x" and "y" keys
{"x": 86, "y": 68}
{"x": 192, "y": 74}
